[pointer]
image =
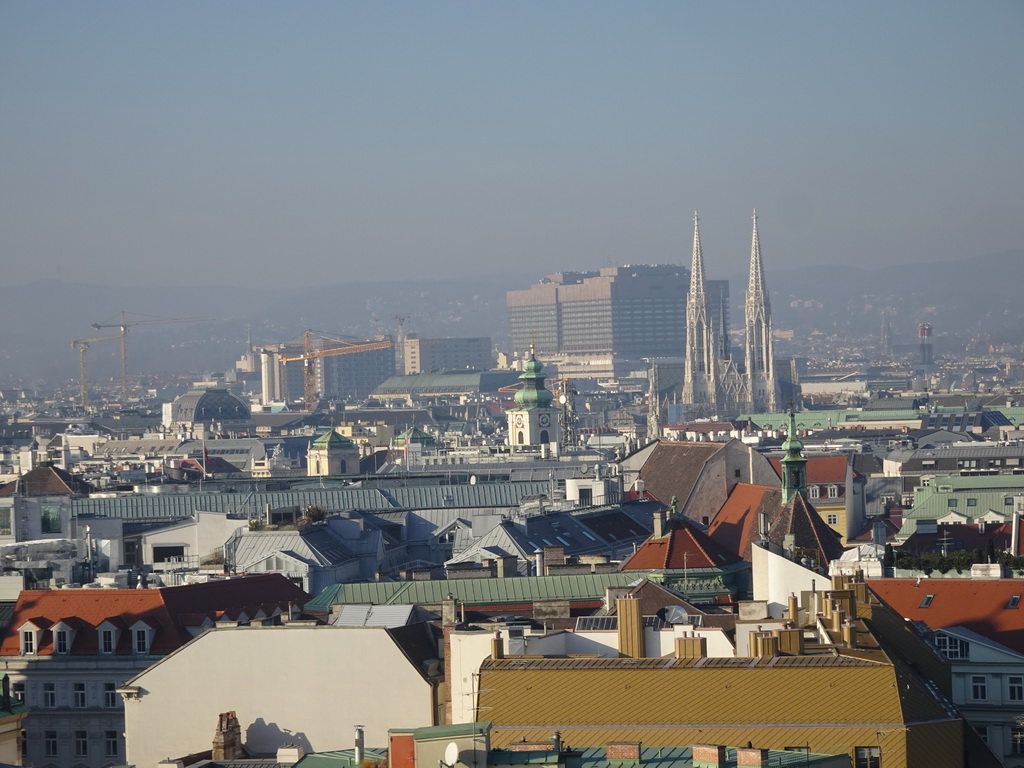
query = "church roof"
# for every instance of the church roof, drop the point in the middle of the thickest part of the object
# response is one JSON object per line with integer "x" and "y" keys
{"x": 332, "y": 441}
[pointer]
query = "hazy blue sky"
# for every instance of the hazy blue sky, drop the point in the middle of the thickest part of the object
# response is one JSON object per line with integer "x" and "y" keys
{"x": 301, "y": 142}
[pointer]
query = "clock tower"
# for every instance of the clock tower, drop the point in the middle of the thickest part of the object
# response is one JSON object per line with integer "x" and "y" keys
{"x": 533, "y": 420}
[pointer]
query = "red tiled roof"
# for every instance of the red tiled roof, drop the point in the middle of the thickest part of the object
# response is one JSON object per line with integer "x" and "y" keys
{"x": 977, "y": 604}
{"x": 735, "y": 525}
{"x": 821, "y": 469}
{"x": 684, "y": 546}
{"x": 173, "y": 609}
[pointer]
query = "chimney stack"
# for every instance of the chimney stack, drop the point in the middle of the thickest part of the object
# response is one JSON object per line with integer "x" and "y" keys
{"x": 227, "y": 741}
{"x": 794, "y": 610}
{"x": 360, "y": 752}
{"x": 631, "y": 628}
{"x": 659, "y": 523}
{"x": 449, "y": 612}
{"x": 497, "y": 647}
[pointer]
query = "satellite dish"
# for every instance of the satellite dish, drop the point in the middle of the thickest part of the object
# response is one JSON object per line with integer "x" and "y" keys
{"x": 584, "y": 468}
{"x": 451, "y": 754}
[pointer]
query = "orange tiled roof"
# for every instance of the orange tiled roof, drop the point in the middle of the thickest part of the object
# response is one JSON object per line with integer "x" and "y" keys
{"x": 977, "y": 604}
{"x": 735, "y": 525}
{"x": 171, "y": 610}
{"x": 684, "y": 546}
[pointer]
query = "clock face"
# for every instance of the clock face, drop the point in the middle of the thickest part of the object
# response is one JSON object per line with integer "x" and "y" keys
{"x": 519, "y": 420}
{"x": 544, "y": 419}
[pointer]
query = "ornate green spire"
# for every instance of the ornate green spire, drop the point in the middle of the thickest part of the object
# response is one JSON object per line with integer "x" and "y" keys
{"x": 794, "y": 465}
{"x": 533, "y": 394}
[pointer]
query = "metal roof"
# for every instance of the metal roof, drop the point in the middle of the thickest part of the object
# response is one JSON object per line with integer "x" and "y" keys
{"x": 515, "y": 589}
{"x": 137, "y": 506}
{"x": 353, "y": 615}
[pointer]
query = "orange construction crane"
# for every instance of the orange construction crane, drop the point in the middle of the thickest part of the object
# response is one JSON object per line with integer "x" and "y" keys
{"x": 83, "y": 367}
{"x": 310, "y": 354}
{"x": 124, "y": 325}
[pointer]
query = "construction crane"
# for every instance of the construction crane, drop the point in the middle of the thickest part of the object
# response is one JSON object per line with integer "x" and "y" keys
{"x": 310, "y": 354}
{"x": 83, "y": 367}
{"x": 124, "y": 325}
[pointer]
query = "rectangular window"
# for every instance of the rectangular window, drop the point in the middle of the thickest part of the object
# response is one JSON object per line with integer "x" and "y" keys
{"x": 141, "y": 641}
{"x": 972, "y": 502}
{"x": 110, "y": 744}
{"x": 28, "y": 642}
{"x": 78, "y": 699}
{"x": 1015, "y": 691}
{"x": 1008, "y": 501}
{"x": 81, "y": 743}
{"x": 49, "y": 695}
{"x": 979, "y": 688}
{"x": 951, "y": 502}
{"x": 832, "y": 519}
{"x": 1017, "y": 740}
{"x": 5, "y": 521}
{"x": 107, "y": 641}
{"x": 110, "y": 695}
{"x": 49, "y": 518}
{"x": 18, "y": 692}
{"x": 62, "y": 641}
{"x": 867, "y": 757}
{"x": 982, "y": 731}
{"x": 833, "y": 492}
{"x": 50, "y": 743}
{"x": 952, "y": 647}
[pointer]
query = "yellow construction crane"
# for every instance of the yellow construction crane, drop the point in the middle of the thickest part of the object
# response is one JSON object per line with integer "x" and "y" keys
{"x": 124, "y": 325}
{"x": 83, "y": 367}
{"x": 310, "y": 354}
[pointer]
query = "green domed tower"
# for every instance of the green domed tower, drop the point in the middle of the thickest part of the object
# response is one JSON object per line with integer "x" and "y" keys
{"x": 794, "y": 465}
{"x": 533, "y": 420}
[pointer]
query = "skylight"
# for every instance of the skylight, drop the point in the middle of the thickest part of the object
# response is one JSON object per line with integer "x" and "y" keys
{"x": 1013, "y": 602}
{"x": 926, "y": 601}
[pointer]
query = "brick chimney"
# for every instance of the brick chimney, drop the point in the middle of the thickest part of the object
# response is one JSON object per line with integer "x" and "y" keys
{"x": 227, "y": 741}
{"x": 622, "y": 751}
{"x": 755, "y": 758}
{"x": 708, "y": 754}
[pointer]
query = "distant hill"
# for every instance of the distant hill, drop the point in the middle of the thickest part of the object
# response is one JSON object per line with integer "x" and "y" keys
{"x": 961, "y": 298}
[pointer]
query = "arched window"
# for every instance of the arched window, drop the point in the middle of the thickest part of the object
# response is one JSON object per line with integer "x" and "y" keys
{"x": 343, "y": 470}
{"x": 544, "y": 436}
{"x": 520, "y": 437}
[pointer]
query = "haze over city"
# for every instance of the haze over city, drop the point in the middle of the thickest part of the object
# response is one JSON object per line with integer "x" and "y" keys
{"x": 309, "y": 143}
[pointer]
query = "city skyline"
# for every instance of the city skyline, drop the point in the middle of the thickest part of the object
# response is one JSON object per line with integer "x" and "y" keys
{"x": 239, "y": 144}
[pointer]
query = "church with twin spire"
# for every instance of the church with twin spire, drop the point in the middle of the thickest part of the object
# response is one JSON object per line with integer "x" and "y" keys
{"x": 715, "y": 385}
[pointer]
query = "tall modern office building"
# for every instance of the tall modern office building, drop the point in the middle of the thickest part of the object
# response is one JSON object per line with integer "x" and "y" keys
{"x": 606, "y": 321}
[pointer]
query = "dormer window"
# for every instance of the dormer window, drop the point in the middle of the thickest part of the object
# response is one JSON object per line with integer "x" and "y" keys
{"x": 142, "y": 632}
{"x": 107, "y": 641}
{"x": 108, "y": 634}
{"x": 64, "y": 635}
{"x": 30, "y": 636}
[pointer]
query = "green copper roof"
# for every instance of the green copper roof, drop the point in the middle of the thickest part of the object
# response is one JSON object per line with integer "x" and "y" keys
{"x": 415, "y": 435}
{"x": 332, "y": 440}
{"x": 516, "y": 589}
{"x": 533, "y": 395}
